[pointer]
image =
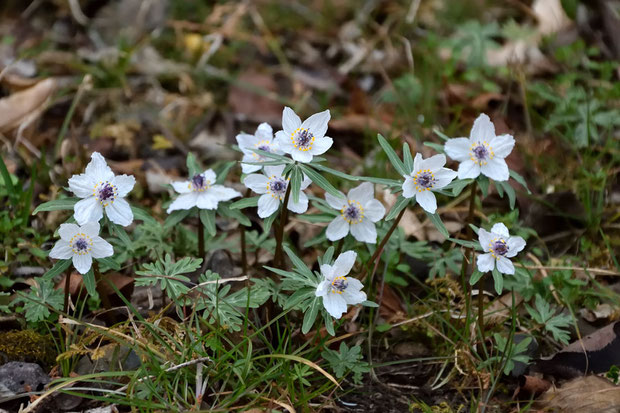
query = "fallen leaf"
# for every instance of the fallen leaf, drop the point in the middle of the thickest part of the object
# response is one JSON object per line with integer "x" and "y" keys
{"x": 16, "y": 108}
{"x": 582, "y": 395}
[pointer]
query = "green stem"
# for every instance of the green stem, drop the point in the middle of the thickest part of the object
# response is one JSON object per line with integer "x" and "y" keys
{"x": 278, "y": 258}
{"x": 99, "y": 283}
{"x": 384, "y": 241}
{"x": 244, "y": 256}
{"x": 67, "y": 287}
{"x": 201, "y": 238}
{"x": 339, "y": 247}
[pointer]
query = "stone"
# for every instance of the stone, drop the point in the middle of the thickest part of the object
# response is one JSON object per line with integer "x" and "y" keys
{"x": 19, "y": 377}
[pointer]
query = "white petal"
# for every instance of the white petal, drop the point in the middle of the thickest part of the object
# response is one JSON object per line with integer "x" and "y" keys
{"x": 210, "y": 176}
{"x": 82, "y": 185}
{"x": 374, "y": 210}
{"x": 427, "y": 201}
{"x": 120, "y": 212}
{"x": 468, "y": 169}
{"x": 505, "y": 266}
{"x": 91, "y": 229}
{"x": 344, "y": 263}
{"x": 124, "y": 184}
{"x": 485, "y": 262}
{"x": 515, "y": 245}
{"x": 496, "y": 169}
{"x": 322, "y": 288}
{"x": 353, "y": 294}
{"x": 101, "y": 248}
{"x": 362, "y": 193}
{"x": 298, "y": 207}
{"x": 328, "y": 272}
{"x": 222, "y": 193}
{"x": 247, "y": 168}
{"x": 434, "y": 163}
{"x": 82, "y": 263}
{"x": 409, "y": 190}
{"x": 485, "y": 238}
{"x": 320, "y": 146}
{"x": 364, "y": 231}
{"x": 305, "y": 182}
{"x": 184, "y": 201}
{"x": 267, "y": 205}
{"x": 246, "y": 141}
{"x": 68, "y": 231}
{"x": 206, "y": 200}
{"x": 264, "y": 132}
{"x": 458, "y": 149}
{"x": 502, "y": 145}
{"x": 258, "y": 183}
{"x": 500, "y": 229}
{"x": 483, "y": 129}
{"x": 335, "y": 202}
{"x": 97, "y": 169}
{"x": 301, "y": 156}
{"x": 335, "y": 304}
{"x": 337, "y": 229}
{"x": 183, "y": 187}
{"x": 417, "y": 163}
{"x": 444, "y": 176}
{"x": 290, "y": 121}
{"x": 88, "y": 209}
{"x": 274, "y": 170}
{"x": 62, "y": 250}
{"x": 284, "y": 142}
{"x": 317, "y": 124}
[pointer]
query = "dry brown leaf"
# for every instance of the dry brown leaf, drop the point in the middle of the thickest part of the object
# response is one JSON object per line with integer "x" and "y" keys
{"x": 501, "y": 308}
{"x": 18, "y": 107}
{"x": 583, "y": 395}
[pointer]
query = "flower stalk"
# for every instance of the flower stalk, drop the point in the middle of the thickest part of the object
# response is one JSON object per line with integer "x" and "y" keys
{"x": 278, "y": 257}
{"x": 201, "y": 237}
{"x": 384, "y": 241}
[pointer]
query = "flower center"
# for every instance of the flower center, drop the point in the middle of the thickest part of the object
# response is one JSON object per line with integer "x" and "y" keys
{"x": 81, "y": 244}
{"x": 339, "y": 284}
{"x": 353, "y": 213}
{"x": 277, "y": 187}
{"x": 481, "y": 152}
{"x": 199, "y": 183}
{"x": 302, "y": 139}
{"x": 263, "y": 146}
{"x": 105, "y": 192}
{"x": 498, "y": 247}
{"x": 424, "y": 180}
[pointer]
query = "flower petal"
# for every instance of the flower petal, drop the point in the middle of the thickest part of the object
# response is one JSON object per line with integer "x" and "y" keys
{"x": 258, "y": 183}
{"x": 417, "y": 163}
{"x": 443, "y": 177}
{"x": 321, "y": 145}
{"x": 298, "y": 207}
{"x": 222, "y": 193}
{"x": 344, "y": 263}
{"x": 434, "y": 163}
{"x": 353, "y": 294}
{"x": 337, "y": 229}
{"x": 284, "y": 142}
{"x": 264, "y": 132}
{"x": 374, "y": 210}
{"x": 88, "y": 209}
{"x": 183, "y": 187}
{"x": 427, "y": 201}
{"x": 274, "y": 170}
{"x": 82, "y": 263}
{"x": 82, "y": 185}
{"x": 246, "y": 141}
{"x": 362, "y": 193}
{"x": 101, "y": 248}
{"x": 91, "y": 229}
{"x": 515, "y": 245}
{"x": 505, "y": 266}
{"x": 502, "y": 145}
{"x": 335, "y": 202}
{"x": 184, "y": 201}
{"x": 500, "y": 229}
{"x": 267, "y": 205}
{"x": 317, "y": 124}
{"x": 97, "y": 169}
{"x": 328, "y": 272}
{"x": 301, "y": 156}
{"x": 68, "y": 231}
{"x": 485, "y": 262}
{"x": 305, "y": 182}
{"x": 61, "y": 250}
{"x": 120, "y": 212}
{"x": 409, "y": 190}
{"x": 468, "y": 169}
{"x": 483, "y": 129}
{"x": 206, "y": 200}
{"x": 364, "y": 231}
{"x": 290, "y": 121}
{"x": 458, "y": 149}
{"x": 322, "y": 288}
{"x": 485, "y": 238}
{"x": 124, "y": 184}
{"x": 496, "y": 169}
{"x": 247, "y": 168}
{"x": 210, "y": 176}
{"x": 334, "y": 304}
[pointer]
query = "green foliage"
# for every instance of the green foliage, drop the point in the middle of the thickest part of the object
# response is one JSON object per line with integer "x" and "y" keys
{"x": 544, "y": 315}
{"x": 472, "y": 41}
{"x": 347, "y": 360}
{"x": 40, "y": 298}
{"x": 169, "y": 275}
{"x": 510, "y": 352}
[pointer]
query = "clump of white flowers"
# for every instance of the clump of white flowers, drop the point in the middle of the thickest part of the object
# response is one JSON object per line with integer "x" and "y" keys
{"x": 428, "y": 175}
{"x": 262, "y": 140}
{"x": 102, "y": 191}
{"x": 81, "y": 244}
{"x": 337, "y": 289}
{"x": 359, "y": 211}
{"x": 498, "y": 246}
{"x": 201, "y": 191}
{"x": 272, "y": 186}
{"x": 304, "y": 140}
{"x": 483, "y": 152}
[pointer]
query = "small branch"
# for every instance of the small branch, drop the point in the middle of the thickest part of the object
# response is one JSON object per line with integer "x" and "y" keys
{"x": 384, "y": 241}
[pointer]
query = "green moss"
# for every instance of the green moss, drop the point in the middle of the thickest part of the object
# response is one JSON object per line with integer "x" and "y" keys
{"x": 28, "y": 346}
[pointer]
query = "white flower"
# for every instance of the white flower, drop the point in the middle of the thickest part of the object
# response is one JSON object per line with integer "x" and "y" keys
{"x": 304, "y": 140}
{"x": 101, "y": 191}
{"x": 82, "y": 243}
{"x": 202, "y": 192}
{"x": 482, "y": 151}
{"x": 358, "y": 212}
{"x": 272, "y": 185}
{"x": 337, "y": 289}
{"x": 499, "y": 246}
{"x": 263, "y": 140}
{"x": 428, "y": 175}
